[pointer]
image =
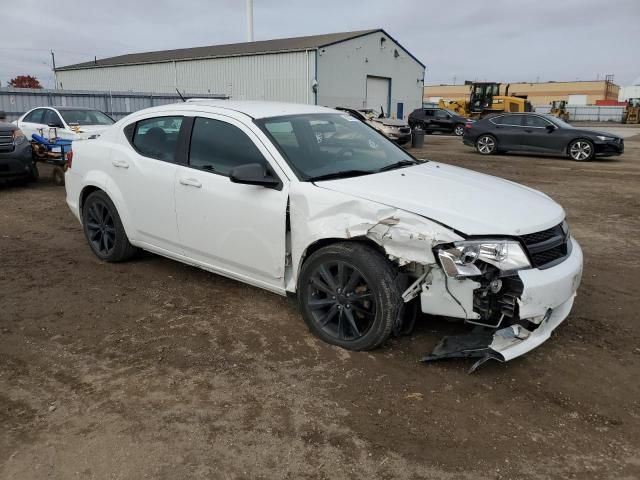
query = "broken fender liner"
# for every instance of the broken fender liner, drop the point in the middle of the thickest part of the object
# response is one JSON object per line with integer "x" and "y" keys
{"x": 471, "y": 345}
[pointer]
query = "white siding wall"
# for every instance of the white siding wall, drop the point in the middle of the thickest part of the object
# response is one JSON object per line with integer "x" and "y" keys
{"x": 152, "y": 78}
{"x": 343, "y": 70}
{"x": 278, "y": 77}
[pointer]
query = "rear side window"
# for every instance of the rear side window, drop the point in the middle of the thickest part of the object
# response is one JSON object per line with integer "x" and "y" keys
{"x": 508, "y": 120}
{"x": 157, "y": 137}
{"x": 429, "y": 113}
{"x": 535, "y": 121}
{"x": 219, "y": 146}
{"x": 35, "y": 116}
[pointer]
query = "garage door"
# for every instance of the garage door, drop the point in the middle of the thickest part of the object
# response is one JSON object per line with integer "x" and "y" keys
{"x": 378, "y": 93}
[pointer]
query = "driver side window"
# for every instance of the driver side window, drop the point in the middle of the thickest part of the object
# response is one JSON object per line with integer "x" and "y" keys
{"x": 218, "y": 147}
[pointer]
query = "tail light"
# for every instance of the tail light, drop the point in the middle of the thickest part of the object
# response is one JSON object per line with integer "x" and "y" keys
{"x": 468, "y": 125}
{"x": 68, "y": 159}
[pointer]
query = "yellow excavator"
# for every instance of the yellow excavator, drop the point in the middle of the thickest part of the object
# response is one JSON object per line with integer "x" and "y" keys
{"x": 559, "y": 110}
{"x": 631, "y": 112}
{"x": 486, "y": 98}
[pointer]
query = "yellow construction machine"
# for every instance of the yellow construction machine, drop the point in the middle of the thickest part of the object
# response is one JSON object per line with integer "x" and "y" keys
{"x": 484, "y": 99}
{"x": 631, "y": 112}
{"x": 559, "y": 110}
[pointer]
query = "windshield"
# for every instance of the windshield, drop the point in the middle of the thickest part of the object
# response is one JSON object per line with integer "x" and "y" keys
{"x": 332, "y": 145}
{"x": 558, "y": 122}
{"x": 86, "y": 117}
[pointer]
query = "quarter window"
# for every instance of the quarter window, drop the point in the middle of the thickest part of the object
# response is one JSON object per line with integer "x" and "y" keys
{"x": 219, "y": 147}
{"x": 158, "y": 137}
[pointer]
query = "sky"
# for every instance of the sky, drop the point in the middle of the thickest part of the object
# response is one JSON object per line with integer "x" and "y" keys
{"x": 492, "y": 40}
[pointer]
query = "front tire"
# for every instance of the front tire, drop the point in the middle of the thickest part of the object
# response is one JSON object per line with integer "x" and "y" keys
{"x": 487, "y": 144}
{"x": 458, "y": 130}
{"x": 103, "y": 229}
{"x": 349, "y": 296}
{"x": 581, "y": 150}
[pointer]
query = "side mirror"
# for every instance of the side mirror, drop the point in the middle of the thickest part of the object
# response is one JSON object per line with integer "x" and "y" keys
{"x": 550, "y": 128}
{"x": 254, "y": 174}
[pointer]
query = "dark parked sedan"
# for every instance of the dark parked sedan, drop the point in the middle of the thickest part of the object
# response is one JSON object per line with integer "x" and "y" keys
{"x": 16, "y": 161}
{"x": 536, "y": 133}
{"x": 437, "y": 120}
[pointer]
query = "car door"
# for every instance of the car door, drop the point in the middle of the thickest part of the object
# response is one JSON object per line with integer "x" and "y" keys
{"x": 430, "y": 120}
{"x": 235, "y": 229}
{"x": 143, "y": 174}
{"x": 52, "y": 120}
{"x": 443, "y": 121}
{"x": 507, "y": 130}
{"x": 539, "y": 134}
{"x": 33, "y": 122}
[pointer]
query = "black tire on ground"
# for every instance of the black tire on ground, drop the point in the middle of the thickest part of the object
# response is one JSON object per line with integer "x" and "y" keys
{"x": 103, "y": 229}
{"x": 458, "y": 130}
{"x": 35, "y": 173}
{"x": 581, "y": 150}
{"x": 58, "y": 176}
{"x": 349, "y": 295}
{"x": 487, "y": 144}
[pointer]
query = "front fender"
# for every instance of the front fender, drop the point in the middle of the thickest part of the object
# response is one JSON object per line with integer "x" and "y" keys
{"x": 317, "y": 214}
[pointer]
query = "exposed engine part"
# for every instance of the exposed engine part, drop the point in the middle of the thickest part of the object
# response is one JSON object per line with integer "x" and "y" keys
{"x": 496, "y": 300}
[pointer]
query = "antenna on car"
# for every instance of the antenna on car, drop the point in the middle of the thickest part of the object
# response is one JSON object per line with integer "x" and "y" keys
{"x": 180, "y": 95}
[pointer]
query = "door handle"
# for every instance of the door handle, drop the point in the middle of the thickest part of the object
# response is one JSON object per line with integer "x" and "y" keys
{"x": 190, "y": 182}
{"x": 120, "y": 164}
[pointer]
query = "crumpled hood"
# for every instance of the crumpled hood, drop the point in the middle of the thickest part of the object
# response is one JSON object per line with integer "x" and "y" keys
{"x": 470, "y": 202}
{"x": 391, "y": 122}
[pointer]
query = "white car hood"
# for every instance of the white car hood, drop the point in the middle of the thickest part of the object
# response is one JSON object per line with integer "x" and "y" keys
{"x": 470, "y": 202}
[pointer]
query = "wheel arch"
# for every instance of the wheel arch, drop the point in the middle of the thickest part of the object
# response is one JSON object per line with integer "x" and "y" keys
{"x": 325, "y": 242}
{"x": 114, "y": 196}
{"x": 575, "y": 139}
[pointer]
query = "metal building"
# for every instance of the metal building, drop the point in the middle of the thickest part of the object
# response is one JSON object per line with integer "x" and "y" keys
{"x": 363, "y": 69}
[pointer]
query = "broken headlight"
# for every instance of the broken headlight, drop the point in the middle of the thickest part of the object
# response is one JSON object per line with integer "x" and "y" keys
{"x": 461, "y": 259}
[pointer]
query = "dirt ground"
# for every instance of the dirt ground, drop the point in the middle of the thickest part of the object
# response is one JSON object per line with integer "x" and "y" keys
{"x": 153, "y": 369}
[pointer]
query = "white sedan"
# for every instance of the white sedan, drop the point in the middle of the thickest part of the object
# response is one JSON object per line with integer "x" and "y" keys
{"x": 70, "y": 123}
{"x": 309, "y": 202}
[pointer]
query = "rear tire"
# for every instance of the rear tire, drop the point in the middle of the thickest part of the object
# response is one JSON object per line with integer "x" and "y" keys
{"x": 458, "y": 130}
{"x": 581, "y": 150}
{"x": 349, "y": 295}
{"x": 487, "y": 144}
{"x": 58, "y": 176}
{"x": 103, "y": 229}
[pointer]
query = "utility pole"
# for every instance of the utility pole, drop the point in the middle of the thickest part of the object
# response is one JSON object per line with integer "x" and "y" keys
{"x": 55, "y": 76}
{"x": 250, "y": 20}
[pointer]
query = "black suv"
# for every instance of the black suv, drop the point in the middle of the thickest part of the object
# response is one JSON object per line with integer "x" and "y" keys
{"x": 16, "y": 161}
{"x": 433, "y": 119}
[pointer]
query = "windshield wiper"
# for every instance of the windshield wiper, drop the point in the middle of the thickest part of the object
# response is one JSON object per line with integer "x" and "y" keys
{"x": 342, "y": 174}
{"x": 400, "y": 164}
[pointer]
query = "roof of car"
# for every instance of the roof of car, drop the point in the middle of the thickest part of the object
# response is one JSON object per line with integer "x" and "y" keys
{"x": 254, "y": 109}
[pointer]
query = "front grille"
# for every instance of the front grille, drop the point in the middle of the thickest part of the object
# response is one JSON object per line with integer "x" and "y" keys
{"x": 548, "y": 247}
{"x": 6, "y": 141}
{"x": 405, "y": 130}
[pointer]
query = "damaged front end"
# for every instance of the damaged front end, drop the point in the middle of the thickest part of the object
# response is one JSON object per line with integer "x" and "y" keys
{"x": 515, "y": 292}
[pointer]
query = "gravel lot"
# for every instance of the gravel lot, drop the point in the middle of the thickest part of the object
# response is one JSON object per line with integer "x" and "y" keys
{"x": 152, "y": 369}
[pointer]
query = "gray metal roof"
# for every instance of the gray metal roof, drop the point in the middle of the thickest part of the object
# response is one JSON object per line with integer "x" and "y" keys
{"x": 246, "y": 48}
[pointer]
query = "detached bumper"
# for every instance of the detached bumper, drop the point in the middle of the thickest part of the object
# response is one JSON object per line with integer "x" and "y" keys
{"x": 545, "y": 303}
